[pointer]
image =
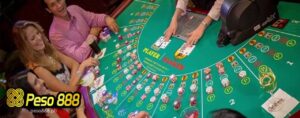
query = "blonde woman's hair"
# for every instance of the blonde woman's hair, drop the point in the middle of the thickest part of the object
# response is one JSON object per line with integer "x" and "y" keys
{"x": 30, "y": 57}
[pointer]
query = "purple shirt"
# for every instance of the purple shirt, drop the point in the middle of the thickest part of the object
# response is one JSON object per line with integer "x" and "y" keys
{"x": 69, "y": 36}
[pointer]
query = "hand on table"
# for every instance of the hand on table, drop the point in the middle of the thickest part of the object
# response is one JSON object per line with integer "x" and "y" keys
{"x": 194, "y": 36}
{"x": 171, "y": 30}
{"x": 90, "y": 62}
{"x": 111, "y": 23}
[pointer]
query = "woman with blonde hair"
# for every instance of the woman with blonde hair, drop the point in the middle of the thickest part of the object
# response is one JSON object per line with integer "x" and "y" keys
{"x": 45, "y": 61}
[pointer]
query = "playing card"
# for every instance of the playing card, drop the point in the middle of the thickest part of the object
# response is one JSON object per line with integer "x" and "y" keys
{"x": 159, "y": 41}
{"x": 165, "y": 44}
{"x": 188, "y": 50}
{"x": 102, "y": 53}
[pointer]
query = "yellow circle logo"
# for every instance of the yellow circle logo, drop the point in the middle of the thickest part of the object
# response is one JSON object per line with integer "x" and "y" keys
{"x": 15, "y": 97}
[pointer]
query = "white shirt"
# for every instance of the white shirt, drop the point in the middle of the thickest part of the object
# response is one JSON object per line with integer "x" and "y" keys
{"x": 214, "y": 12}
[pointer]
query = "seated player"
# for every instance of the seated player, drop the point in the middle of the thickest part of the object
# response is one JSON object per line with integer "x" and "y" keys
{"x": 195, "y": 35}
{"x": 70, "y": 28}
{"x": 45, "y": 61}
{"x": 227, "y": 113}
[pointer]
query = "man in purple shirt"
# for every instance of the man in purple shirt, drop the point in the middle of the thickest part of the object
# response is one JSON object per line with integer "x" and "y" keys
{"x": 70, "y": 28}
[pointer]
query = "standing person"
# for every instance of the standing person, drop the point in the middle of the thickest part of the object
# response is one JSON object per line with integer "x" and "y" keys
{"x": 195, "y": 35}
{"x": 70, "y": 28}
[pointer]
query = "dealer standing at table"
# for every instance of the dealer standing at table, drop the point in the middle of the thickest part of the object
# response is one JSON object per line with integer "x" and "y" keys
{"x": 70, "y": 28}
{"x": 195, "y": 35}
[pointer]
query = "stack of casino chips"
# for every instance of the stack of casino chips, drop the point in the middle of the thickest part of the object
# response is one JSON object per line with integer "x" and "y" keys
{"x": 209, "y": 89}
{"x": 225, "y": 81}
{"x": 173, "y": 78}
{"x": 165, "y": 98}
{"x": 193, "y": 101}
{"x": 207, "y": 73}
{"x": 177, "y": 104}
{"x": 107, "y": 98}
{"x": 105, "y": 34}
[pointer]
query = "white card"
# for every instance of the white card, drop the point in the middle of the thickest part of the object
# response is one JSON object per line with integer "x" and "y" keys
{"x": 287, "y": 104}
{"x": 159, "y": 41}
{"x": 99, "y": 81}
{"x": 165, "y": 44}
{"x": 102, "y": 54}
{"x": 188, "y": 50}
{"x": 98, "y": 94}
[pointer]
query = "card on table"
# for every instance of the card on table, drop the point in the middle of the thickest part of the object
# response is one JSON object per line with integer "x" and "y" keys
{"x": 102, "y": 53}
{"x": 280, "y": 104}
{"x": 165, "y": 44}
{"x": 186, "y": 50}
{"x": 159, "y": 41}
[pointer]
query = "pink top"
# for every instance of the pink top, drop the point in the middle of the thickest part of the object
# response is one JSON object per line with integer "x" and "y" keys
{"x": 69, "y": 36}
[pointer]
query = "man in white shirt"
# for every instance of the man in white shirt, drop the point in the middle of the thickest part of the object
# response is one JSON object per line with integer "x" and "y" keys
{"x": 195, "y": 35}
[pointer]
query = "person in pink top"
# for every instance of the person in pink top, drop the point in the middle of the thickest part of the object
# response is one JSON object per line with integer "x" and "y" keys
{"x": 194, "y": 36}
{"x": 70, "y": 28}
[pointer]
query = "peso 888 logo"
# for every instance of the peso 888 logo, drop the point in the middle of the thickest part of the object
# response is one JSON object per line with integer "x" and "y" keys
{"x": 16, "y": 98}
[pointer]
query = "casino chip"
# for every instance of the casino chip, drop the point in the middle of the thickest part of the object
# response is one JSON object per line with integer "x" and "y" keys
{"x": 136, "y": 62}
{"x": 247, "y": 55}
{"x": 234, "y": 63}
{"x": 221, "y": 70}
{"x": 143, "y": 97}
{"x": 194, "y": 88}
{"x": 180, "y": 91}
{"x": 147, "y": 89}
{"x": 129, "y": 47}
{"x": 126, "y": 70}
{"x": 207, "y": 71}
{"x": 242, "y": 74}
{"x": 152, "y": 99}
{"x": 139, "y": 86}
{"x": 225, "y": 82}
{"x": 219, "y": 65}
{"x": 125, "y": 29}
{"x": 117, "y": 46}
{"x": 156, "y": 91}
{"x": 243, "y": 50}
{"x": 128, "y": 87}
{"x": 139, "y": 66}
{"x": 165, "y": 98}
{"x": 208, "y": 77}
{"x": 252, "y": 42}
{"x": 230, "y": 59}
{"x": 128, "y": 77}
{"x": 148, "y": 75}
{"x": 173, "y": 78}
{"x": 193, "y": 101}
{"x": 209, "y": 90}
{"x": 177, "y": 104}
{"x": 120, "y": 51}
{"x": 134, "y": 72}
{"x": 134, "y": 82}
{"x": 120, "y": 37}
{"x": 131, "y": 67}
{"x": 154, "y": 77}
